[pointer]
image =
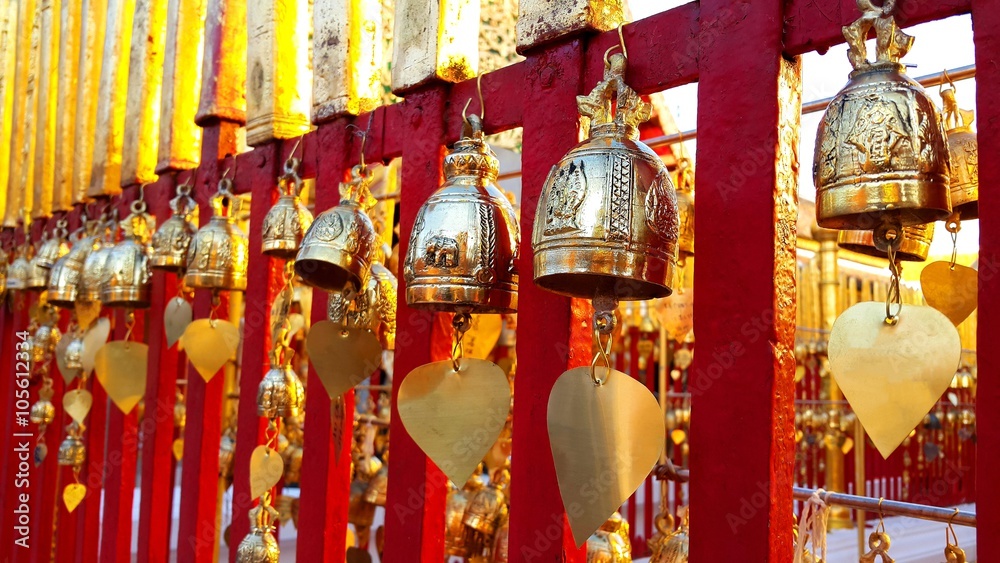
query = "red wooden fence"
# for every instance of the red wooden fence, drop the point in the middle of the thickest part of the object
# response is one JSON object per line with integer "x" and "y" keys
{"x": 742, "y": 55}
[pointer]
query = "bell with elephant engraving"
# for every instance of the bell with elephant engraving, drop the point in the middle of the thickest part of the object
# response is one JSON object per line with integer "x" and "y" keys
{"x": 607, "y": 221}
{"x": 171, "y": 241}
{"x": 463, "y": 248}
{"x": 287, "y": 222}
{"x": 218, "y": 254}
{"x": 338, "y": 249}
{"x": 125, "y": 277}
{"x": 881, "y": 153}
{"x": 915, "y": 246}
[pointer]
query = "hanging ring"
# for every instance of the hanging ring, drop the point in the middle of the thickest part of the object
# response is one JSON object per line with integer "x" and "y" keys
{"x": 461, "y": 322}
{"x": 291, "y": 156}
{"x": 621, "y": 39}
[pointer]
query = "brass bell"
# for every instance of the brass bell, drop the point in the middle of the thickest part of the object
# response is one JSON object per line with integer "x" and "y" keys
{"x": 455, "y": 505}
{"x": 66, "y": 273}
{"x": 89, "y": 288}
{"x": 607, "y": 547}
{"x": 17, "y": 271}
{"x": 227, "y": 453}
{"x": 259, "y": 546}
{"x": 463, "y": 248}
{"x": 72, "y": 450}
{"x": 915, "y": 246}
{"x": 685, "y": 210}
{"x": 963, "y": 149}
{"x": 287, "y": 222}
{"x": 125, "y": 278}
{"x": 43, "y": 411}
{"x": 386, "y": 293}
{"x": 607, "y": 220}
{"x": 38, "y": 277}
{"x": 53, "y": 247}
{"x": 74, "y": 354}
{"x": 338, "y": 249}
{"x": 501, "y": 542}
{"x": 170, "y": 242}
{"x": 881, "y": 155}
{"x": 280, "y": 392}
{"x": 674, "y": 548}
{"x": 487, "y": 506}
{"x": 43, "y": 343}
{"x": 218, "y": 253}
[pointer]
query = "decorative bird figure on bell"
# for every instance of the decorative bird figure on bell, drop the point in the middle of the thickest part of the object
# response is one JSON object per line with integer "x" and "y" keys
{"x": 338, "y": 249}
{"x": 218, "y": 253}
{"x": 881, "y": 155}
{"x": 607, "y": 221}
{"x": 464, "y": 244}
{"x": 171, "y": 241}
{"x": 287, "y": 222}
{"x": 125, "y": 276}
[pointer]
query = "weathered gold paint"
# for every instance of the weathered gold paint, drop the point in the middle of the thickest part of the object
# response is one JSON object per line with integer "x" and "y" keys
{"x": 543, "y": 21}
{"x": 145, "y": 81}
{"x": 278, "y": 71}
{"x": 93, "y": 13}
{"x": 224, "y": 63}
{"x": 180, "y": 137}
{"x": 68, "y": 72}
{"x": 19, "y": 193}
{"x": 347, "y": 58}
{"x": 45, "y": 122}
{"x": 422, "y": 53}
{"x": 107, "y": 162}
{"x": 8, "y": 56}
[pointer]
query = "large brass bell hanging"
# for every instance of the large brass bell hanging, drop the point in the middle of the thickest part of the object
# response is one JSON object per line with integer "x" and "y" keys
{"x": 171, "y": 241}
{"x": 914, "y": 247}
{"x": 607, "y": 218}
{"x": 65, "y": 274}
{"x": 464, "y": 243}
{"x": 287, "y": 222}
{"x": 338, "y": 249}
{"x": 218, "y": 253}
{"x": 881, "y": 155}
{"x": 54, "y": 247}
{"x": 964, "y": 152}
{"x": 125, "y": 277}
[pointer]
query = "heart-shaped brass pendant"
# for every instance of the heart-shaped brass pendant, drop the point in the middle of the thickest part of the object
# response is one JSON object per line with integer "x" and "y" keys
{"x": 86, "y": 313}
{"x": 343, "y": 357}
{"x": 121, "y": 368}
{"x": 176, "y": 318}
{"x": 605, "y": 440}
{"x": 953, "y": 290}
{"x": 73, "y": 495}
{"x": 209, "y": 344}
{"x": 266, "y": 468}
{"x": 77, "y": 403}
{"x": 93, "y": 340}
{"x": 455, "y": 417}
{"x": 893, "y": 374}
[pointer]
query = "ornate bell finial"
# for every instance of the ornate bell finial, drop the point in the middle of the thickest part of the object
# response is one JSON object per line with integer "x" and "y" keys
{"x": 287, "y": 222}
{"x": 963, "y": 149}
{"x": 171, "y": 241}
{"x": 66, "y": 273}
{"x": 465, "y": 240}
{"x": 607, "y": 218}
{"x": 218, "y": 253}
{"x": 53, "y": 247}
{"x": 337, "y": 250}
{"x": 915, "y": 246}
{"x": 881, "y": 156}
{"x": 125, "y": 276}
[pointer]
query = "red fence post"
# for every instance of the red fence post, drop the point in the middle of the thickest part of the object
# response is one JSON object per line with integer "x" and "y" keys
{"x": 538, "y": 526}
{"x": 986, "y": 32}
{"x": 749, "y": 100}
{"x": 414, "y": 518}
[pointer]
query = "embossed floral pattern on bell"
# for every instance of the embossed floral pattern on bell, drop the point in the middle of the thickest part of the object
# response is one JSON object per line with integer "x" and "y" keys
{"x": 464, "y": 245}
{"x": 287, "y": 222}
{"x": 915, "y": 246}
{"x": 170, "y": 242}
{"x": 607, "y": 218}
{"x": 125, "y": 277}
{"x": 963, "y": 148}
{"x": 881, "y": 154}
{"x": 218, "y": 254}
{"x": 338, "y": 249}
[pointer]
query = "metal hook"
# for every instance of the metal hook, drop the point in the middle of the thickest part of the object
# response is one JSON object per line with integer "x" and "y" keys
{"x": 621, "y": 39}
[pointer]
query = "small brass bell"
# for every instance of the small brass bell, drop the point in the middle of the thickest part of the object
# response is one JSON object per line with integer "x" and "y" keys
{"x": 287, "y": 222}
{"x": 66, "y": 273}
{"x": 915, "y": 246}
{"x": 338, "y": 249}
{"x": 17, "y": 271}
{"x": 607, "y": 218}
{"x": 38, "y": 277}
{"x": 42, "y": 412}
{"x": 74, "y": 354}
{"x": 487, "y": 506}
{"x": 386, "y": 294}
{"x": 43, "y": 343}
{"x": 89, "y": 288}
{"x": 685, "y": 210}
{"x": 53, "y": 247}
{"x": 463, "y": 248}
{"x": 501, "y": 542}
{"x": 455, "y": 505}
{"x": 170, "y": 242}
{"x": 881, "y": 155}
{"x": 218, "y": 253}
{"x": 72, "y": 450}
{"x": 280, "y": 392}
{"x": 674, "y": 548}
{"x": 963, "y": 148}
{"x": 227, "y": 452}
{"x": 259, "y": 546}
{"x": 125, "y": 279}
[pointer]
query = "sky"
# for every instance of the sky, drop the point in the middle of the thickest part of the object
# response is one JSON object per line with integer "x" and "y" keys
{"x": 939, "y": 45}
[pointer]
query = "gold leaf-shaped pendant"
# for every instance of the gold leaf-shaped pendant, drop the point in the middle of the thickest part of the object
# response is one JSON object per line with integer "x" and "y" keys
{"x": 121, "y": 368}
{"x": 893, "y": 374}
{"x": 209, "y": 344}
{"x": 73, "y": 495}
{"x": 176, "y": 318}
{"x": 77, "y": 403}
{"x": 951, "y": 290}
{"x": 343, "y": 357}
{"x": 93, "y": 340}
{"x": 608, "y": 435}
{"x": 455, "y": 417}
{"x": 266, "y": 468}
